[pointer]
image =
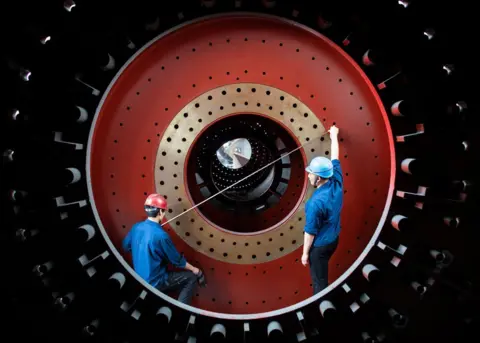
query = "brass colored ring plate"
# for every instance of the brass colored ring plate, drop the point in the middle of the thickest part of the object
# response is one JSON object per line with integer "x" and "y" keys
{"x": 172, "y": 153}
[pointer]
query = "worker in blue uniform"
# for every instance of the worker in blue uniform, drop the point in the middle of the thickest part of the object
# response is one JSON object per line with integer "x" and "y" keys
{"x": 322, "y": 227}
{"x": 152, "y": 250}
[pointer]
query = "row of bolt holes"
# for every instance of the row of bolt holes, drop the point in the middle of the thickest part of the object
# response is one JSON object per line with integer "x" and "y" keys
{"x": 176, "y": 163}
{"x": 180, "y": 199}
{"x": 197, "y": 105}
{"x": 247, "y": 244}
{"x": 246, "y": 71}
{"x": 201, "y": 229}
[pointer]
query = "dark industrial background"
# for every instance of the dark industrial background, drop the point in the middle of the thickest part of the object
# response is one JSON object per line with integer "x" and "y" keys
{"x": 34, "y": 300}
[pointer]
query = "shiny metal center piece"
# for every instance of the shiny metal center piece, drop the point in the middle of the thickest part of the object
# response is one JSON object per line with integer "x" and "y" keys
{"x": 235, "y": 154}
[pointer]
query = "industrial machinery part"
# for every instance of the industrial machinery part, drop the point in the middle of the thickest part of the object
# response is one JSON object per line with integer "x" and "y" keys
{"x": 110, "y": 102}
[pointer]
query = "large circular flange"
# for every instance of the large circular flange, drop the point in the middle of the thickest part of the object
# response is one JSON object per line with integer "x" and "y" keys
{"x": 189, "y": 61}
{"x": 172, "y": 158}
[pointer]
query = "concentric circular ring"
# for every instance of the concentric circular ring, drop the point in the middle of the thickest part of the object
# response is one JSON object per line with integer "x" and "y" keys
{"x": 183, "y": 130}
{"x": 156, "y": 85}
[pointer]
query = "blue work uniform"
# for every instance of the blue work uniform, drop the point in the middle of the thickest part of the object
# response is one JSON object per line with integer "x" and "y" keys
{"x": 323, "y": 209}
{"x": 152, "y": 249}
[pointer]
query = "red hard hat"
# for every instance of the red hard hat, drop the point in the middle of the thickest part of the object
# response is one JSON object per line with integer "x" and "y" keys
{"x": 156, "y": 200}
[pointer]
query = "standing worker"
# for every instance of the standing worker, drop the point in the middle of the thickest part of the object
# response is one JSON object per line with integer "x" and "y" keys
{"x": 152, "y": 249}
{"x": 323, "y": 209}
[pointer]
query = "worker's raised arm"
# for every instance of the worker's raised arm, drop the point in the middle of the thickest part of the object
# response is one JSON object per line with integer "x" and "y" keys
{"x": 334, "y": 150}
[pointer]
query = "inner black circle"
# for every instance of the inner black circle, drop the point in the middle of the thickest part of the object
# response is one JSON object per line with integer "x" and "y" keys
{"x": 244, "y": 206}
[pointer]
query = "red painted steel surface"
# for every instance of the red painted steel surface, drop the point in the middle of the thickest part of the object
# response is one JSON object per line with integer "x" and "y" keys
{"x": 125, "y": 141}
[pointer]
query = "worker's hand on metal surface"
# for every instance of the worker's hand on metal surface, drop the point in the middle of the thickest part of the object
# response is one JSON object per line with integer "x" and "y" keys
{"x": 201, "y": 279}
{"x": 305, "y": 259}
{"x": 333, "y": 131}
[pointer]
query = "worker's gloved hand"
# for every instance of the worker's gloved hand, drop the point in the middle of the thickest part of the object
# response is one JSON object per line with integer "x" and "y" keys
{"x": 201, "y": 279}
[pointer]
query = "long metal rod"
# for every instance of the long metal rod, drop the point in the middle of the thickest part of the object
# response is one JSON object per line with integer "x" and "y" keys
{"x": 246, "y": 177}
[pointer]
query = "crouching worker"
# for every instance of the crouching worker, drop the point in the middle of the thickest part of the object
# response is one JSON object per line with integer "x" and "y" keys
{"x": 152, "y": 250}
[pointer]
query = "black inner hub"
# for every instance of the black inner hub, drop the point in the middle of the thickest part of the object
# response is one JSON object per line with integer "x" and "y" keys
{"x": 207, "y": 174}
{"x": 257, "y": 184}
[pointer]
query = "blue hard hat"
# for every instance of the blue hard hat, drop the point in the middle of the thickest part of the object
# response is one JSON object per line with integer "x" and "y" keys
{"x": 321, "y": 166}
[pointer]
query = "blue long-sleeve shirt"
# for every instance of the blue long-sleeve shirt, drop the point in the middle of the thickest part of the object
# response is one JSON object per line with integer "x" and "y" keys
{"x": 152, "y": 249}
{"x": 323, "y": 209}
